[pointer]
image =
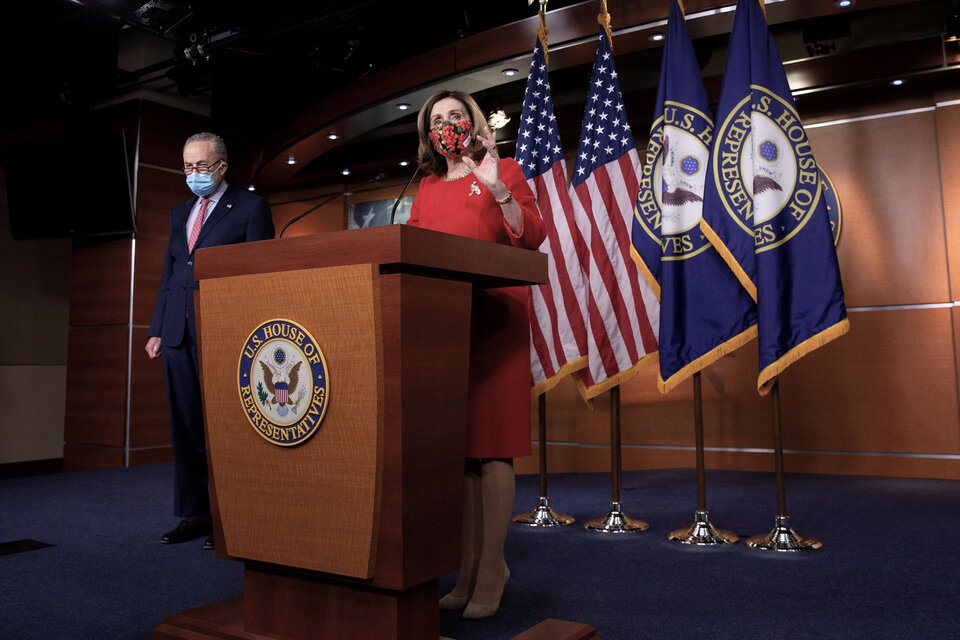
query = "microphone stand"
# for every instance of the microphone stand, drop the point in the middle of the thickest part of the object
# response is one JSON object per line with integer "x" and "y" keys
{"x": 393, "y": 212}
{"x": 380, "y": 177}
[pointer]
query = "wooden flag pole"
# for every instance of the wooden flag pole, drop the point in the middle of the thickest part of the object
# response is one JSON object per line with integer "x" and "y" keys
{"x": 615, "y": 521}
{"x": 543, "y": 515}
{"x": 778, "y": 451}
{"x": 700, "y": 531}
{"x": 782, "y": 537}
{"x": 698, "y": 433}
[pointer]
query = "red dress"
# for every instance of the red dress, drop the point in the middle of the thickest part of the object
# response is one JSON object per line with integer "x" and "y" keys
{"x": 498, "y": 417}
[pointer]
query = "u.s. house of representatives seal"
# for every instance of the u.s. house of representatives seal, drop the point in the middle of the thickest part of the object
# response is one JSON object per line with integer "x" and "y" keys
{"x": 677, "y": 160}
{"x": 283, "y": 382}
{"x": 764, "y": 169}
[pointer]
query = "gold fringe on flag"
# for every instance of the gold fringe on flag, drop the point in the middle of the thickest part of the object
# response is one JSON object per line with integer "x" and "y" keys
{"x": 724, "y": 252}
{"x": 706, "y": 360}
{"x": 554, "y": 380}
{"x": 617, "y": 379}
{"x": 642, "y": 266}
{"x": 769, "y": 375}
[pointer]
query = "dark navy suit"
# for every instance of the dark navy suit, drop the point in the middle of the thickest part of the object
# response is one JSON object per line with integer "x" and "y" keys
{"x": 239, "y": 216}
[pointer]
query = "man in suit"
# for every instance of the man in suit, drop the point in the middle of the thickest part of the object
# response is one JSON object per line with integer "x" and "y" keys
{"x": 218, "y": 214}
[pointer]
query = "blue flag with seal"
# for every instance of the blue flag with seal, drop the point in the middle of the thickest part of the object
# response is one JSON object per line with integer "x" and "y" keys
{"x": 704, "y": 312}
{"x": 764, "y": 207}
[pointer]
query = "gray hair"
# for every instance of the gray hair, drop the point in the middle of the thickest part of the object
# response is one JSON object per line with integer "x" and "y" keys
{"x": 219, "y": 146}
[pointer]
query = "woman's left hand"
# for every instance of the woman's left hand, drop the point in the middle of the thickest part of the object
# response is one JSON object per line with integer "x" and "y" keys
{"x": 488, "y": 171}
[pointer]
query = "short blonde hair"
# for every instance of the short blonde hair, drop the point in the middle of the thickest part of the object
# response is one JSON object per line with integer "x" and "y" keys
{"x": 435, "y": 163}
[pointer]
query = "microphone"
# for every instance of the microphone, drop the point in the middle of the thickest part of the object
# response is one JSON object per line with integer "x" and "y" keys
{"x": 380, "y": 177}
{"x": 423, "y": 159}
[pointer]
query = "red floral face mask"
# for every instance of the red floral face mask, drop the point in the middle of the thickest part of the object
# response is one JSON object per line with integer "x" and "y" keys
{"x": 451, "y": 139}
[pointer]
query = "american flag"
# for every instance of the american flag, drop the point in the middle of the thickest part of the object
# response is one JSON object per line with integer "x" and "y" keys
{"x": 622, "y": 310}
{"x": 557, "y": 309}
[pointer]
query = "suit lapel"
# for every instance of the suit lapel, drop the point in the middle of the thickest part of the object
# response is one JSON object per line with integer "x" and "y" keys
{"x": 182, "y": 213}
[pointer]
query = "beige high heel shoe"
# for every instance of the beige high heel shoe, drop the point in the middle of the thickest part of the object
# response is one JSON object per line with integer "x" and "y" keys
{"x": 451, "y": 602}
{"x": 477, "y": 611}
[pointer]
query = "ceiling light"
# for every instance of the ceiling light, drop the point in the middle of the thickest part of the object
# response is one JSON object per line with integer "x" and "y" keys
{"x": 843, "y": 3}
{"x": 345, "y": 172}
{"x": 403, "y": 106}
{"x": 251, "y": 188}
{"x": 332, "y": 135}
{"x": 896, "y": 82}
{"x": 498, "y": 119}
{"x": 291, "y": 160}
{"x": 509, "y": 72}
{"x": 656, "y": 37}
{"x": 404, "y": 163}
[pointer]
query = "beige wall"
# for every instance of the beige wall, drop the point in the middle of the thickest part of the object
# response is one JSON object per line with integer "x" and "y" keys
{"x": 34, "y": 305}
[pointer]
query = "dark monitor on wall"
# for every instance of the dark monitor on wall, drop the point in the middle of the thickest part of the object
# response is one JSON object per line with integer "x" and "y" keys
{"x": 77, "y": 187}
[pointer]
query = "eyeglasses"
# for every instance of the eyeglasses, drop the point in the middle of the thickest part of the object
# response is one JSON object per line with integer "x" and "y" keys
{"x": 201, "y": 167}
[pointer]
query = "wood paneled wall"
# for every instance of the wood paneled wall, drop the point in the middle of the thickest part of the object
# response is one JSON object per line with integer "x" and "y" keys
{"x": 109, "y": 422}
{"x": 882, "y": 400}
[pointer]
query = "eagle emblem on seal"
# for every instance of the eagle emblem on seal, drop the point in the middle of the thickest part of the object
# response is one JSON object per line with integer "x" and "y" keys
{"x": 281, "y": 381}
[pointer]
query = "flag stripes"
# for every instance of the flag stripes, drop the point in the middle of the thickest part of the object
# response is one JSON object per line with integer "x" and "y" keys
{"x": 558, "y": 340}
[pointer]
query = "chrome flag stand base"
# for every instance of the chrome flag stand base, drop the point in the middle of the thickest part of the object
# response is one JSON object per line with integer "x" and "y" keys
{"x": 783, "y": 538}
{"x": 701, "y": 532}
{"x": 616, "y": 522}
{"x": 543, "y": 516}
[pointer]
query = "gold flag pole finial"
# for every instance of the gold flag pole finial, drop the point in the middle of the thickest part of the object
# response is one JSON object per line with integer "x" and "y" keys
{"x": 543, "y": 30}
{"x": 604, "y": 20}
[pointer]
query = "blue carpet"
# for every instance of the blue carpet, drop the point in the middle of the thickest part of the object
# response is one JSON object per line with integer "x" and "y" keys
{"x": 888, "y": 567}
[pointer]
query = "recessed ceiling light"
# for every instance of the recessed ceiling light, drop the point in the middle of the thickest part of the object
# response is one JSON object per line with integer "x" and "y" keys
{"x": 291, "y": 160}
{"x": 509, "y": 72}
{"x": 843, "y": 3}
{"x": 251, "y": 188}
{"x": 656, "y": 37}
{"x": 332, "y": 135}
{"x": 345, "y": 172}
{"x": 896, "y": 82}
{"x": 404, "y": 163}
{"x": 403, "y": 106}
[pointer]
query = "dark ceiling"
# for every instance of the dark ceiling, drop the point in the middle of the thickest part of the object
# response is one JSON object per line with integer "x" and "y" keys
{"x": 274, "y": 58}
{"x": 256, "y": 65}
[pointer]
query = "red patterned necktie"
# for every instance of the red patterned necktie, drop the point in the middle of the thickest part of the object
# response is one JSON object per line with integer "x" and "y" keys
{"x": 201, "y": 216}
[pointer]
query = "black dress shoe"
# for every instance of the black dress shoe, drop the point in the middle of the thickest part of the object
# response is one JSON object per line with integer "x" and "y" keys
{"x": 186, "y": 531}
{"x": 208, "y": 543}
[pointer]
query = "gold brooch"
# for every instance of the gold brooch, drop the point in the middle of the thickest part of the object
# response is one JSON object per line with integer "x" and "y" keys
{"x": 474, "y": 190}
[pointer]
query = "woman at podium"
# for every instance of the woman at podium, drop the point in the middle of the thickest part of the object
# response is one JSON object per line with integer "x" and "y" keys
{"x": 471, "y": 191}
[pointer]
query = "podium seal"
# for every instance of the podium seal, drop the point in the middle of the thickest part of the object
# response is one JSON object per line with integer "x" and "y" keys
{"x": 283, "y": 382}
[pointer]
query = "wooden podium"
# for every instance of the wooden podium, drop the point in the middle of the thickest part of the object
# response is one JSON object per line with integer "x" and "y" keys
{"x": 347, "y": 513}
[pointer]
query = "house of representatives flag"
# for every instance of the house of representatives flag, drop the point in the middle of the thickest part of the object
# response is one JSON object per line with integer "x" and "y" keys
{"x": 558, "y": 332}
{"x": 622, "y": 310}
{"x": 764, "y": 208}
{"x": 704, "y": 312}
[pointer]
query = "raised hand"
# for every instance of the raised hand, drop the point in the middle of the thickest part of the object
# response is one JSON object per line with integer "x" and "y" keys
{"x": 488, "y": 171}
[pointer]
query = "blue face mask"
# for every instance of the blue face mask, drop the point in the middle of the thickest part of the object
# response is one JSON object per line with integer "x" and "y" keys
{"x": 201, "y": 184}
